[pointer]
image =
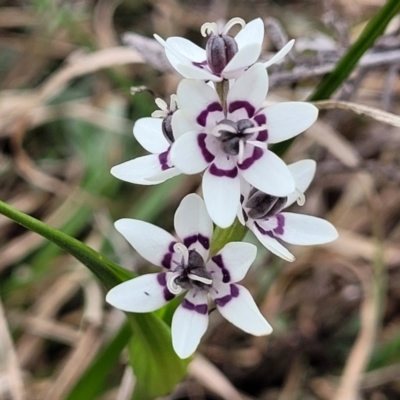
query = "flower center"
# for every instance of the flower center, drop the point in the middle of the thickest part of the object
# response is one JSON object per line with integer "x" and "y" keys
{"x": 191, "y": 273}
{"x": 166, "y": 113}
{"x": 262, "y": 205}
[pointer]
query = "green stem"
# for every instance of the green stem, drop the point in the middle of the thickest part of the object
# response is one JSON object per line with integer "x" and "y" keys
{"x": 235, "y": 233}
{"x": 109, "y": 273}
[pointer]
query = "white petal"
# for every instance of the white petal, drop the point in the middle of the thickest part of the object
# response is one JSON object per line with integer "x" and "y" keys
{"x": 269, "y": 174}
{"x": 193, "y": 225}
{"x": 142, "y": 294}
{"x": 164, "y": 175}
{"x": 193, "y": 152}
{"x": 180, "y": 124}
{"x": 141, "y": 170}
{"x": 151, "y": 242}
{"x": 243, "y": 312}
{"x": 189, "y": 323}
{"x": 273, "y": 245}
{"x": 232, "y": 262}
{"x": 148, "y": 133}
{"x": 221, "y": 192}
{"x": 190, "y": 71}
{"x": 286, "y": 120}
{"x": 183, "y": 47}
{"x": 253, "y": 32}
{"x": 246, "y": 56}
{"x": 307, "y": 230}
{"x": 200, "y": 101}
{"x": 303, "y": 172}
{"x": 249, "y": 90}
{"x": 280, "y": 54}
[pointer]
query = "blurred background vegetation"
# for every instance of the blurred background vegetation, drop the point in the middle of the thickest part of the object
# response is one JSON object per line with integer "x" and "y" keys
{"x": 66, "y": 116}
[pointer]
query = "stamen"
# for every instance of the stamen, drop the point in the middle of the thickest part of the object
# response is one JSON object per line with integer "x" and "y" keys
{"x": 201, "y": 279}
{"x": 257, "y": 143}
{"x": 171, "y": 285}
{"x": 209, "y": 28}
{"x": 223, "y": 127}
{"x": 254, "y": 129}
{"x": 158, "y": 114}
{"x": 241, "y": 151}
{"x": 162, "y": 105}
{"x": 231, "y": 23}
{"x": 301, "y": 199}
{"x": 173, "y": 103}
{"x": 181, "y": 248}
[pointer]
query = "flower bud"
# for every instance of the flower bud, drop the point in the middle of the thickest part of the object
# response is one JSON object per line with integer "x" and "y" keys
{"x": 220, "y": 49}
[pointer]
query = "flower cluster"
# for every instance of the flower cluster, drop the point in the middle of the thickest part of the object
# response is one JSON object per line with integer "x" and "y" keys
{"x": 217, "y": 124}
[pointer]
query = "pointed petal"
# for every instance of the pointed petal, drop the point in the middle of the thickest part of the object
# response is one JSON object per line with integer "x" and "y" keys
{"x": 280, "y": 54}
{"x": 180, "y": 124}
{"x": 191, "y": 71}
{"x": 182, "y": 47}
{"x": 146, "y": 170}
{"x": 253, "y": 32}
{"x": 241, "y": 310}
{"x": 193, "y": 152}
{"x": 303, "y": 172}
{"x": 189, "y": 323}
{"x": 151, "y": 242}
{"x": 286, "y": 120}
{"x": 307, "y": 230}
{"x": 268, "y": 173}
{"x": 272, "y": 245}
{"x": 221, "y": 191}
{"x": 200, "y": 101}
{"x": 248, "y": 92}
{"x": 142, "y": 294}
{"x": 232, "y": 262}
{"x": 246, "y": 56}
{"x": 193, "y": 225}
{"x": 148, "y": 133}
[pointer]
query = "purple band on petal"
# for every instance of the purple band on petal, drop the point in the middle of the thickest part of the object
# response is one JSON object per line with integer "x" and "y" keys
{"x": 248, "y": 162}
{"x": 279, "y": 230}
{"x": 162, "y": 280}
{"x": 204, "y": 241}
{"x": 163, "y": 159}
{"x": 261, "y": 119}
{"x": 229, "y": 173}
{"x": 199, "y": 308}
{"x": 201, "y": 141}
{"x": 236, "y": 105}
{"x": 166, "y": 261}
{"x": 226, "y": 277}
{"x": 202, "y": 117}
{"x": 200, "y": 64}
{"x": 226, "y": 299}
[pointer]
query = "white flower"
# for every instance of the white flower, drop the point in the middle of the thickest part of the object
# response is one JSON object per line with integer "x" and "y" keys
{"x": 225, "y": 57}
{"x": 188, "y": 269}
{"x": 234, "y": 144}
{"x": 156, "y": 136}
{"x": 262, "y": 214}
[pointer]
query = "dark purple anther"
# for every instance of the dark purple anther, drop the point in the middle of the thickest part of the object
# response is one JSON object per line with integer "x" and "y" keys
{"x": 220, "y": 49}
{"x": 262, "y": 205}
{"x": 166, "y": 127}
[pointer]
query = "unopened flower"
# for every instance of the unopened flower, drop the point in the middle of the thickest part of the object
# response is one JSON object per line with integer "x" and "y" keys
{"x": 189, "y": 270}
{"x": 233, "y": 143}
{"x": 262, "y": 213}
{"x": 225, "y": 57}
{"x": 156, "y": 136}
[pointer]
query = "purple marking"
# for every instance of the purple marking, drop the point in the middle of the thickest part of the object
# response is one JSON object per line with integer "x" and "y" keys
{"x": 236, "y": 105}
{"x": 202, "y": 117}
{"x": 204, "y": 241}
{"x": 166, "y": 261}
{"x": 230, "y": 173}
{"x": 199, "y": 308}
{"x": 261, "y": 119}
{"x": 163, "y": 159}
{"x": 226, "y": 276}
{"x": 200, "y": 64}
{"x": 201, "y": 141}
{"x": 248, "y": 162}
{"x": 226, "y": 299}
{"x": 279, "y": 230}
{"x": 162, "y": 280}
{"x": 264, "y": 231}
